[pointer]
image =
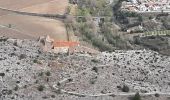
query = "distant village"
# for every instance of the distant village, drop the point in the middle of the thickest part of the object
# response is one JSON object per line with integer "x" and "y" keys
{"x": 147, "y": 5}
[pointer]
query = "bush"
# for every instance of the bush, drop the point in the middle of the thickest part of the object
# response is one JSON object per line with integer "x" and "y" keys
{"x": 125, "y": 88}
{"x": 70, "y": 79}
{"x": 40, "y": 74}
{"x": 58, "y": 84}
{"x": 93, "y": 80}
{"x": 101, "y": 45}
{"x": 2, "y": 74}
{"x": 22, "y": 56}
{"x": 94, "y": 60}
{"x": 35, "y": 61}
{"x": 137, "y": 96}
{"x": 16, "y": 88}
{"x": 15, "y": 44}
{"x": 95, "y": 69}
{"x": 6, "y": 92}
{"x": 52, "y": 96}
{"x": 3, "y": 39}
{"x": 40, "y": 88}
{"x": 157, "y": 95}
{"x": 48, "y": 73}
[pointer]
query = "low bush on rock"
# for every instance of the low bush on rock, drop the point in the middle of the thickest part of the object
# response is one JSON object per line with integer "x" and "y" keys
{"x": 48, "y": 73}
{"x": 95, "y": 69}
{"x": 125, "y": 88}
{"x": 22, "y": 56}
{"x": 157, "y": 95}
{"x": 40, "y": 88}
{"x": 2, "y": 74}
{"x": 95, "y": 60}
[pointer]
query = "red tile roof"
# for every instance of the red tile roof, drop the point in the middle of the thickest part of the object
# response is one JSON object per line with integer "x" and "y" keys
{"x": 65, "y": 44}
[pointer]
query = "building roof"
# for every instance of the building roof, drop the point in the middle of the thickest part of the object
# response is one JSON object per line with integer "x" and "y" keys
{"x": 65, "y": 44}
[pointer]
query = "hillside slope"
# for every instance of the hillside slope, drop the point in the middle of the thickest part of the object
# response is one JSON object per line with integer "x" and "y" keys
{"x": 28, "y": 73}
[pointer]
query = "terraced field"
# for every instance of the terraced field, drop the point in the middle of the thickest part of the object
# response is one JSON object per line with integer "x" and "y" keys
{"x": 31, "y": 26}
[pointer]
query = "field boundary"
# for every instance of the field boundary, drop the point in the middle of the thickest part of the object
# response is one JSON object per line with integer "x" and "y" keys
{"x": 35, "y": 14}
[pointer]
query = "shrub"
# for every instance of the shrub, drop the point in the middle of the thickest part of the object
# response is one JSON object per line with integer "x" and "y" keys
{"x": 18, "y": 82}
{"x": 119, "y": 87}
{"x": 70, "y": 79}
{"x": 44, "y": 97}
{"x": 25, "y": 86}
{"x": 6, "y": 92}
{"x": 58, "y": 84}
{"x": 47, "y": 79}
{"x": 22, "y": 56}
{"x": 94, "y": 60}
{"x": 101, "y": 45}
{"x": 53, "y": 96}
{"x": 35, "y": 61}
{"x": 40, "y": 88}
{"x": 16, "y": 88}
{"x": 2, "y": 74}
{"x": 48, "y": 73}
{"x": 36, "y": 81}
{"x": 93, "y": 80}
{"x": 40, "y": 74}
{"x": 137, "y": 96}
{"x": 9, "y": 25}
{"x": 15, "y": 44}
{"x": 125, "y": 88}
{"x": 9, "y": 92}
{"x": 3, "y": 40}
{"x": 157, "y": 95}
{"x": 95, "y": 69}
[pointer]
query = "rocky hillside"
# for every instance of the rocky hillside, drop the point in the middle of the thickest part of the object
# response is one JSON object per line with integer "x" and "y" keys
{"x": 28, "y": 73}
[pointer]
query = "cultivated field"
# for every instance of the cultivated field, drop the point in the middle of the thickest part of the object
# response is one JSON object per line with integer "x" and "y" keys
{"x": 35, "y": 6}
{"x": 53, "y": 7}
{"x": 35, "y": 26}
{"x": 18, "y": 4}
{"x": 14, "y": 33}
{"x": 31, "y": 26}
